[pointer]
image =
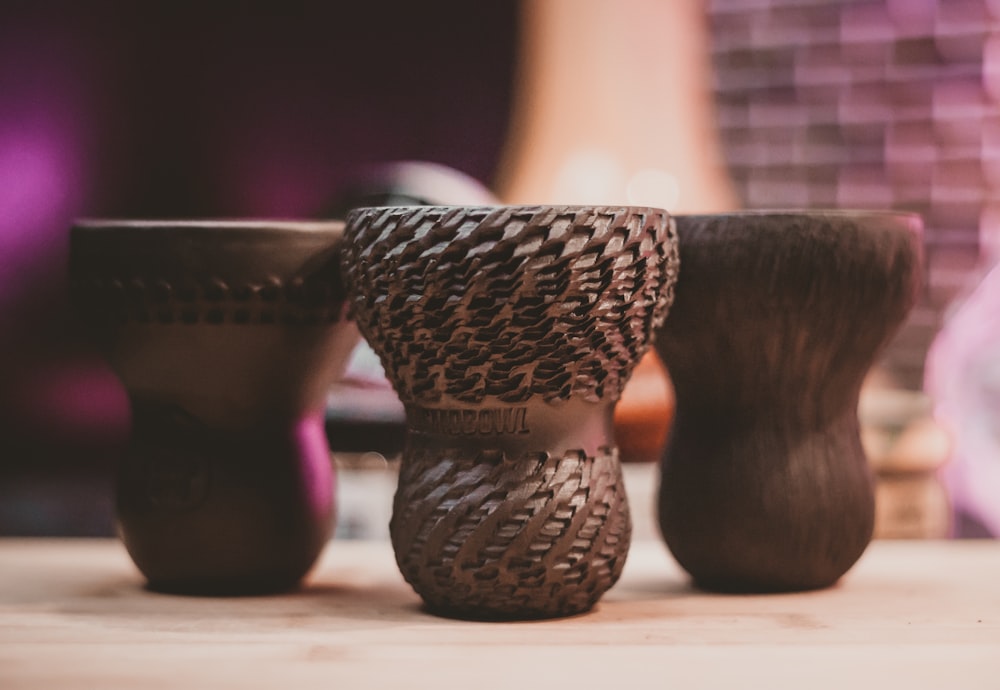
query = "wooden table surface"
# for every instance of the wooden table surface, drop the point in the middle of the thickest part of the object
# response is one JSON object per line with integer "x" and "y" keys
{"x": 74, "y": 614}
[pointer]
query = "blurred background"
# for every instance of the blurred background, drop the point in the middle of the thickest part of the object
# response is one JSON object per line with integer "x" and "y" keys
{"x": 302, "y": 109}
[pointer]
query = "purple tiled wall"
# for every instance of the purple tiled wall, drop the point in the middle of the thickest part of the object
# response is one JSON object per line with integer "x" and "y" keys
{"x": 870, "y": 104}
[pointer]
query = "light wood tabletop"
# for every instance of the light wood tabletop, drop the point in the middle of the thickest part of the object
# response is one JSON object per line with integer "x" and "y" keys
{"x": 74, "y": 614}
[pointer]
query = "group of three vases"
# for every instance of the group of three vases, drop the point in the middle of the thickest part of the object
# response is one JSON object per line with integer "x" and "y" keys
{"x": 508, "y": 334}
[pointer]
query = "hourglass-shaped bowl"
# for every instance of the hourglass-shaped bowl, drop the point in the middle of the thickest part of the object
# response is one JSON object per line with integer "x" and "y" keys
{"x": 226, "y": 336}
{"x": 778, "y": 317}
{"x": 509, "y": 333}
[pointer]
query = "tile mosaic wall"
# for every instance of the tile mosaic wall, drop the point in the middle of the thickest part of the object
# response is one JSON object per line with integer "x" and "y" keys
{"x": 870, "y": 104}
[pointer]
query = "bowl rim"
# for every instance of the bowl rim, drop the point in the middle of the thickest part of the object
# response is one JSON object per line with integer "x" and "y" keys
{"x": 812, "y": 213}
{"x": 283, "y": 225}
{"x": 514, "y": 208}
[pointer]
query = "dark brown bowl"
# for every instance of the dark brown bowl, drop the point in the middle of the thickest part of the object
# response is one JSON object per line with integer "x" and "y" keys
{"x": 509, "y": 333}
{"x": 778, "y": 317}
{"x": 226, "y": 336}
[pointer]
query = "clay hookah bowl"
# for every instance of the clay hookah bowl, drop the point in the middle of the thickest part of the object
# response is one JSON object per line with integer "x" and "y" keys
{"x": 778, "y": 317}
{"x": 226, "y": 336}
{"x": 509, "y": 333}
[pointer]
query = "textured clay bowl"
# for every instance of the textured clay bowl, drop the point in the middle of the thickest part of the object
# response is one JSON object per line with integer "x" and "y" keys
{"x": 778, "y": 317}
{"x": 226, "y": 336}
{"x": 509, "y": 333}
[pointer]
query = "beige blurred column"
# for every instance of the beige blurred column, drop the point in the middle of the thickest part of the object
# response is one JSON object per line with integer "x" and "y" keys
{"x": 613, "y": 104}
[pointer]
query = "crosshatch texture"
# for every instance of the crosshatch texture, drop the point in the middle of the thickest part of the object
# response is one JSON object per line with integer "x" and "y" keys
{"x": 509, "y": 303}
{"x": 509, "y": 333}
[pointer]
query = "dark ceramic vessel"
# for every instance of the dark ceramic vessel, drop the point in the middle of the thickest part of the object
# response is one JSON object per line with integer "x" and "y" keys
{"x": 778, "y": 317}
{"x": 508, "y": 333}
{"x": 226, "y": 336}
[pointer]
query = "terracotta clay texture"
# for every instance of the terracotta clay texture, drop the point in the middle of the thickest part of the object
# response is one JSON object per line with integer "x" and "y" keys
{"x": 778, "y": 317}
{"x": 508, "y": 333}
{"x": 226, "y": 336}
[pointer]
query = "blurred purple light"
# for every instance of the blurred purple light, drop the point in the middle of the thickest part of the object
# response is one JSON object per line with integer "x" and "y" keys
{"x": 37, "y": 187}
{"x": 318, "y": 477}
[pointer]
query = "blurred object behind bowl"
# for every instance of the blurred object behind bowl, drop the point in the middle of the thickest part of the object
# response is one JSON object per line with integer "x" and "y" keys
{"x": 363, "y": 414}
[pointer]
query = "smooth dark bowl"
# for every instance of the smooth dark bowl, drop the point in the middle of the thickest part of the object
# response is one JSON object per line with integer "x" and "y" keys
{"x": 777, "y": 319}
{"x": 226, "y": 336}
